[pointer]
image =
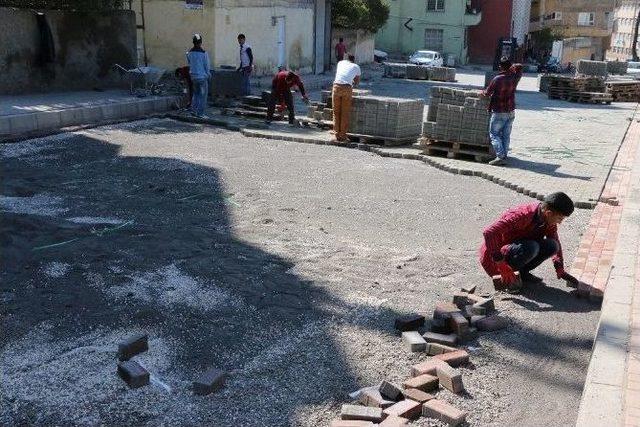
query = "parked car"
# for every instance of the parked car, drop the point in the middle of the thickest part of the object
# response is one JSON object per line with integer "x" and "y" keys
{"x": 430, "y": 58}
{"x": 633, "y": 68}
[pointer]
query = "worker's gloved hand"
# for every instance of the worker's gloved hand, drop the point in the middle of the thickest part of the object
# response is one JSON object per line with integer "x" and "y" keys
{"x": 506, "y": 273}
{"x": 571, "y": 280}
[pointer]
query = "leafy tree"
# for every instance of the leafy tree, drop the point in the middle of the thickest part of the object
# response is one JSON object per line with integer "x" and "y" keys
{"x": 367, "y": 15}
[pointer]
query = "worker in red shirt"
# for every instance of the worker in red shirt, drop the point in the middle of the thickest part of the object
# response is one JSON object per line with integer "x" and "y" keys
{"x": 502, "y": 91}
{"x": 524, "y": 237}
{"x": 281, "y": 86}
{"x": 341, "y": 50}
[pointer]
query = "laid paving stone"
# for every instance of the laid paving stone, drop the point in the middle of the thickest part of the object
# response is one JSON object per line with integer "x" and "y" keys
{"x": 435, "y": 348}
{"x": 441, "y": 410}
{"x": 439, "y": 326}
{"x": 414, "y": 341}
{"x": 450, "y": 378}
{"x": 390, "y": 391}
{"x": 455, "y": 358}
{"x": 133, "y": 345}
{"x": 444, "y": 310}
{"x": 492, "y": 323}
{"x": 393, "y": 421}
{"x": 405, "y": 408}
{"x": 409, "y": 323}
{"x": 351, "y": 423}
{"x": 373, "y": 397}
{"x": 446, "y": 339}
{"x": 470, "y": 289}
{"x": 459, "y": 324}
{"x": 417, "y": 395}
{"x": 210, "y": 381}
{"x": 133, "y": 374}
{"x": 364, "y": 413}
{"x": 423, "y": 382}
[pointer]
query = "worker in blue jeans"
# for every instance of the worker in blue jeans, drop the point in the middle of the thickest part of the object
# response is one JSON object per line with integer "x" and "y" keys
{"x": 200, "y": 73}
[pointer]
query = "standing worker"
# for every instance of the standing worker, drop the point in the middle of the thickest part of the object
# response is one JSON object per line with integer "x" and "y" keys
{"x": 502, "y": 91}
{"x": 246, "y": 64}
{"x": 341, "y": 49}
{"x": 347, "y": 75}
{"x": 200, "y": 73}
{"x": 281, "y": 91}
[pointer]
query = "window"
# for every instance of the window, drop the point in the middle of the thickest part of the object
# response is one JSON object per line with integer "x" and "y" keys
{"x": 586, "y": 18}
{"x": 556, "y": 16}
{"x": 433, "y": 39}
{"x": 435, "y": 5}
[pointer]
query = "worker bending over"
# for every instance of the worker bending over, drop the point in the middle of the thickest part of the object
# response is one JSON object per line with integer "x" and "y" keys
{"x": 281, "y": 92}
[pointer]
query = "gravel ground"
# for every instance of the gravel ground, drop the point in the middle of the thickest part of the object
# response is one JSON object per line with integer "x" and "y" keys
{"x": 284, "y": 264}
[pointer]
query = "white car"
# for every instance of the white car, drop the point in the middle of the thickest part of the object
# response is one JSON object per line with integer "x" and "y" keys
{"x": 430, "y": 58}
{"x": 633, "y": 68}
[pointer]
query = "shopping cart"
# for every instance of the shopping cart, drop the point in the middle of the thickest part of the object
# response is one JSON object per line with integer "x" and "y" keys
{"x": 143, "y": 81}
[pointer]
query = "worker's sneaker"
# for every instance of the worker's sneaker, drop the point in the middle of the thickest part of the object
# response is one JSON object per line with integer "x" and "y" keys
{"x": 530, "y": 278}
{"x": 498, "y": 162}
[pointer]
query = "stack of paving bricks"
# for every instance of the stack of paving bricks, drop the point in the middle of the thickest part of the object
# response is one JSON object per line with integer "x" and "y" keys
{"x": 564, "y": 87}
{"x": 457, "y": 124}
{"x": 617, "y": 67}
{"x": 396, "y": 70}
{"x": 225, "y": 83}
{"x": 592, "y": 68}
{"x": 393, "y": 120}
{"x": 442, "y": 74}
{"x": 544, "y": 80}
{"x": 624, "y": 91}
{"x": 417, "y": 72}
{"x": 325, "y": 95}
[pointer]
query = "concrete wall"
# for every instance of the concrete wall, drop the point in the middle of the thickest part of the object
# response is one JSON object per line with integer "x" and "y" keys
{"x": 86, "y": 47}
{"x": 495, "y": 23}
{"x": 359, "y": 42}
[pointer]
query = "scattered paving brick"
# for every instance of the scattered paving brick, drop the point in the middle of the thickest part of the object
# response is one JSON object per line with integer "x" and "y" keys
{"x": 423, "y": 382}
{"x": 133, "y": 374}
{"x": 133, "y": 345}
{"x": 455, "y": 358}
{"x": 441, "y": 410}
{"x": 459, "y": 324}
{"x": 461, "y": 299}
{"x": 478, "y": 310}
{"x": 405, "y": 408}
{"x": 390, "y": 391}
{"x": 364, "y": 413}
{"x": 435, "y": 348}
{"x": 373, "y": 397}
{"x": 210, "y": 381}
{"x": 417, "y": 395}
{"x": 475, "y": 319}
{"x": 470, "y": 289}
{"x": 428, "y": 367}
{"x": 485, "y": 302}
{"x": 492, "y": 323}
{"x": 393, "y": 421}
{"x": 450, "y": 378}
{"x": 439, "y": 326}
{"x": 409, "y": 323}
{"x": 499, "y": 286}
{"x": 443, "y": 310}
{"x": 351, "y": 423}
{"x": 446, "y": 339}
{"x": 414, "y": 341}
{"x": 470, "y": 335}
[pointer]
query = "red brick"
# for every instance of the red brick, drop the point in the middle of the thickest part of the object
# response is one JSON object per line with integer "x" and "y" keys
{"x": 417, "y": 395}
{"x": 390, "y": 391}
{"x": 450, "y": 378}
{"x": 460, "y": 299}
{"x": 428, "y": 367}
{"x": 492, "y": 323}
{"x": 470, "y": 289}
{"x": 373, "y": 397}
{"x": 393, "y": 421}
{"x": 443, "y": 310}
{"x": 135, "y": 375}
{"x": 133, "y": 345}
{"x": 446, "y": 339}
{"x": 434, "y": 348}
{"x": 210, "y": 381}
{"x": 423, "y": 382}
{"x": 455, "y": 358}
{"x": 405, "y": 408}
{"x": 459, "y": 324}
{"x": 409, "y": 323}
{"x": 351, "y": 423}
{"x": 441, "y": 410}
{"x": 364, "y": 413}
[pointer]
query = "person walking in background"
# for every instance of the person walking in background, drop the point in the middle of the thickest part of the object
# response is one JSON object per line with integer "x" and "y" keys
{"x": 246, "y": 64}
{"x": 200, "y": 73}
{"x": 281, "y": 86}
{"x": 502, "y": 91}
{"x": 347, "y": 75}
{"x": 341, "y": 49}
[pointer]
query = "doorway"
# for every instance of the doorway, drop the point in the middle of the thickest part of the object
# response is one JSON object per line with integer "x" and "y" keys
{"x": 281, "y": 41}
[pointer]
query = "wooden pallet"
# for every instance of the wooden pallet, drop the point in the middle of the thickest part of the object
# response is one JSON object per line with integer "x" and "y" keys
{"x": 591, "y": 98}
{"x": 381, "y": 140}
{"x": 458, "y": 150}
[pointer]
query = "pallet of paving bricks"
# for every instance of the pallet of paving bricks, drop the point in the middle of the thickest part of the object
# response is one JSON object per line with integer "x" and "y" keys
{"x": 591, "y": 98}
{"x": 457, "y": 150}
{"x": 624, "y": 91}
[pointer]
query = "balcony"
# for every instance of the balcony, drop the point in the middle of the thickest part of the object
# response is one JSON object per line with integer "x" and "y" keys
{"x": 471, "y": 17}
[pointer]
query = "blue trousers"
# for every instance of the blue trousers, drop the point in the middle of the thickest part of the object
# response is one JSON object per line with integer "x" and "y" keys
{"x": 500, "y": 132}
{"x": 199, "y": 97}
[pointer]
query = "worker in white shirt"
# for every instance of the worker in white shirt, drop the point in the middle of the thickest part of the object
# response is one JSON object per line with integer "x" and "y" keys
{"x": 246, "y": 64}
{"x": 347, "y": 76}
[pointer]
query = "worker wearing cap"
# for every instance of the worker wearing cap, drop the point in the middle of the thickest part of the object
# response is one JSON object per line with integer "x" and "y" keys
{"x": 523, "y": 237}
{"x": 200, "y": 73}
{"x": 281, "y": 86}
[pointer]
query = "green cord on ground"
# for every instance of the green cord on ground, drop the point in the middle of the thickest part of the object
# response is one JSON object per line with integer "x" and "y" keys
{"x": 55, "y": 244}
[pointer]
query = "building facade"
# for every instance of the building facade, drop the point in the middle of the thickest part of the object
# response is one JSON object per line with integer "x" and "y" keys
{"x": 440, "y": 25}
{"x": 625, "y": 19}
{"x": 290, "y": 33}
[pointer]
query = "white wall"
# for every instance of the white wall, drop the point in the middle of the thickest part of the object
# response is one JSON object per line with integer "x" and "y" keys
{"x": 360, "y": 43}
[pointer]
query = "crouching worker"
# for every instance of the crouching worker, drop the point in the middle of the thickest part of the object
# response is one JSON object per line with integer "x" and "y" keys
{"x": 523, "y": 237}
{"x": 281, "y": 92}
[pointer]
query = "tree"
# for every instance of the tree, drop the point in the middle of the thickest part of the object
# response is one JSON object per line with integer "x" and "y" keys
{"x": 367, "y": 15}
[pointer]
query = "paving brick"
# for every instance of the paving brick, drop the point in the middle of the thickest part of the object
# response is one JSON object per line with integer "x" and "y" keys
{"x": 409, "y": 323}
{"x": 417, "y": 395}
{"x": 459, "y": 324}
{"x": 210, "y": 381}
{"x": 373, "y": 397}
{"x": 133, "y": 374}
{"x": 393, "y": 421}
{"x": 414, "y": 341}
{"x": 364, "y": 413}
{"x": 455, "y": 358}
{"x": 390, "y": 391}
{"x": 448, "y": 339}
{"x": 487, "y": 303}
{"x": 351, "y": 423}
{"x": 444, "y": 310}
{"x": 435, "y": 348}
{"x": 133, "y": 345}
{"x": 428, "y": 367}
{"x": 477, "y": 310}
{"x": 470, "y": 289}
{"x": 441, "y": 410}
{"x": 450, "y": 378}
{"x": 461, "y": 299}
{"x": 439, "y": 326}
{"x": 492, "y": 323}
{"x": 423, "y": 382}
{"x": 475, "y": 319}
{"x": 405, "y": 408}
{"x": 499, "y": 286}
{"x": 470, "y": 335}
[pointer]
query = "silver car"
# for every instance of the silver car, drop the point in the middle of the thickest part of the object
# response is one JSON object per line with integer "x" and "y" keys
{"x": 430, "y": 58}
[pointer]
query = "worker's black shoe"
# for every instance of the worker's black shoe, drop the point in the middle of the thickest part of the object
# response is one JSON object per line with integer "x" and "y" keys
{"x": 530, "y": 278}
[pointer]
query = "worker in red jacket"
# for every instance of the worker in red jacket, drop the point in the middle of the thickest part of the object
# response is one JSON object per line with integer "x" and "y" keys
{"x": 281, "y": 86}
{"x": 524, "y": 237}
